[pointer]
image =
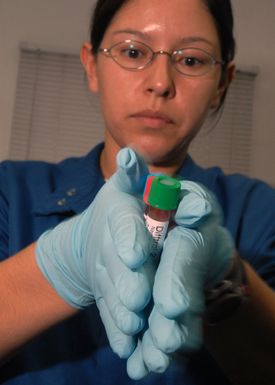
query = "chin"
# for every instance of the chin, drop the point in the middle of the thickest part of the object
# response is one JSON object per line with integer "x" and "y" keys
{"x": 148, "y": 152}
{"x": 157, "y": 156}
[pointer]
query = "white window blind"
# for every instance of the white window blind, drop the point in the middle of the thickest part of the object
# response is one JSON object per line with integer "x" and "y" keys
{"x": 56, "y": 116}
{"x": 228, "y": 143}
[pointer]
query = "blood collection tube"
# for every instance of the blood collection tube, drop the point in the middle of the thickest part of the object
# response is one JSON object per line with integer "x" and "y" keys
{"x": 161, "y": 196}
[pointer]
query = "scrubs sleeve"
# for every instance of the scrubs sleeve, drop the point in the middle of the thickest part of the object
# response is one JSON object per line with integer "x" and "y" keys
{"x": 258, "y": 231}
{"x": 4, "y": 218}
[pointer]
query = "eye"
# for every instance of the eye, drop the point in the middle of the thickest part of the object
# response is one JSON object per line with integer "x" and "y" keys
{"x": 192, "y": 58}
{"x": 133, "y": 52}
{"x": 191, "y": 61}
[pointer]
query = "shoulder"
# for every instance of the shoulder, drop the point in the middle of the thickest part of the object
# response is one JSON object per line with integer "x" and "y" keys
{"x": 32, "y": 175}
{"x": 232, "y": 190}
{"x": 37, "y": 195}
{"x": 249, "y": 210}
{"x": 41, "y": 177}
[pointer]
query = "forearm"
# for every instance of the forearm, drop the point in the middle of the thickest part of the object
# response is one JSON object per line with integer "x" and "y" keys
{"x": 29, "y": 305}
{"x": 244, "y": 345}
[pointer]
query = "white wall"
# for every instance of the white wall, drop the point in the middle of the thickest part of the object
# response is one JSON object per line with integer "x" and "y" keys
{"x": 63, "y": 24}
{"x": 57, "y": 24}
{"x": 255, "y": 34}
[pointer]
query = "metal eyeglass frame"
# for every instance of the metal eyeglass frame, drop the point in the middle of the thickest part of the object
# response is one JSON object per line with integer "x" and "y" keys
{"x": 153, "y": 55}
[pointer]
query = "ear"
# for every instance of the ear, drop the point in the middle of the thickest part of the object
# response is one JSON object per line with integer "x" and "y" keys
{"x": 226, "y": 79}
{"x": 88, "y": 61}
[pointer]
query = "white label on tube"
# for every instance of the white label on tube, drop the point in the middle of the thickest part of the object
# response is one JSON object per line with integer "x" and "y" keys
{"x": 158, "y": 231}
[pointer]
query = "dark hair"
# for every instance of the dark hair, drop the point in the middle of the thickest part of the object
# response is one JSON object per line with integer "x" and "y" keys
{"x": 103, "y": 14}
{"x": 221, "y": 11}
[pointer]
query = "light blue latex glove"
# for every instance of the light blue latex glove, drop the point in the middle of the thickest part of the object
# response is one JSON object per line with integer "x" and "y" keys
{"x": 197, "y": 254}
{"x": 99, "y": 255}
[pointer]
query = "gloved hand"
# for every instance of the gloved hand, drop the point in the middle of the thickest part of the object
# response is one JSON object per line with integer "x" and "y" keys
{"x": 95, "y": 256}
{"x": 196, "y": 255}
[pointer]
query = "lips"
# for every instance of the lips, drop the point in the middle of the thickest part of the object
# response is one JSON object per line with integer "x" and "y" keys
{"x": 153, "y": 118}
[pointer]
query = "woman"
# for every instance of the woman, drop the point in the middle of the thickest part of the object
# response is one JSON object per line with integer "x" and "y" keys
{"x": 158, "y": 77}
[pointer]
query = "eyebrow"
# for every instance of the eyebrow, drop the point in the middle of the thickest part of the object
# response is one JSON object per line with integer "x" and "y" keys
{"x": 184, "y": 40}
{"x": 132, "y": 32}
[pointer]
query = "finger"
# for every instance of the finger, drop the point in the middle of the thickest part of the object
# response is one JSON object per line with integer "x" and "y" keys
{"x": 155, "y": 360}
{"x": 127, "y": 229}
{"x": 184, "y": 334}
{"x": 127, "y": 321}
{"x": 197, "y": 205}
{"x": 194, "y": 326}
{"x": 133, "y": 288}
{"x": 179, "y": 278}
{"x": 221, "y": 258}
{"x": 131, "y": 173}
{"x": 126, "y": 236}
{"x": 136, "y": 367}
{"x": 122, "y": 344}
{"x": 167, "y": 334}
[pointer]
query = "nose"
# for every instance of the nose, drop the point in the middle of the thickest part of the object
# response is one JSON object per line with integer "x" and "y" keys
{"x": 160, "y": 77}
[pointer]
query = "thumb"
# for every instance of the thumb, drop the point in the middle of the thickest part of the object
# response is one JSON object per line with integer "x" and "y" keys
{"x": 197, "y": 205}
{"x": 131, "y": 173}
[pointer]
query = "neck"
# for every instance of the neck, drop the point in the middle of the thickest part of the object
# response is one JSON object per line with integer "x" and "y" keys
{"x": 167, "y": 170}
{"x": 108, "y": 162}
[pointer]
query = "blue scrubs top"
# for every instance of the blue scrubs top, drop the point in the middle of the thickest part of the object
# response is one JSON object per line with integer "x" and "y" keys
{"x": 35, "y": 196}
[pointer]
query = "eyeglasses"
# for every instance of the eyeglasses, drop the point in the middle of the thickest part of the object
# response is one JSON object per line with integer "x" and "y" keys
{"x": 134, "y": 56}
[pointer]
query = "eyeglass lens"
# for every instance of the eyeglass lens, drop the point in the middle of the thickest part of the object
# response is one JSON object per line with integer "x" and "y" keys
{"x": 135, "y": 55}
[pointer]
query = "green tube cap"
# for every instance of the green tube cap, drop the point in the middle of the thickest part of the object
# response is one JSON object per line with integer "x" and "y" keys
{"x": 164, "y": 192}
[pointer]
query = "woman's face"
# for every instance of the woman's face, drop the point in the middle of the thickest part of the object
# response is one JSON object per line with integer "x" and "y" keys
{"x": 157, "y": 110}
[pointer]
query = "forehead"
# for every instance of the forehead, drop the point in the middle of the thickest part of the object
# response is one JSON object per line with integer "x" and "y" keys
{"x": 164, "y": 19}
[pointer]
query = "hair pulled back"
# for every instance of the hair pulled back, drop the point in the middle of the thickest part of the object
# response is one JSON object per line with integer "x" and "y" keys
{"x": 221, "y": 11}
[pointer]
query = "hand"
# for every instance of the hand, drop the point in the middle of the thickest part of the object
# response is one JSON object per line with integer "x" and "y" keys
{"x": 197, "y": 254}
{"x": 95, "y": 256}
